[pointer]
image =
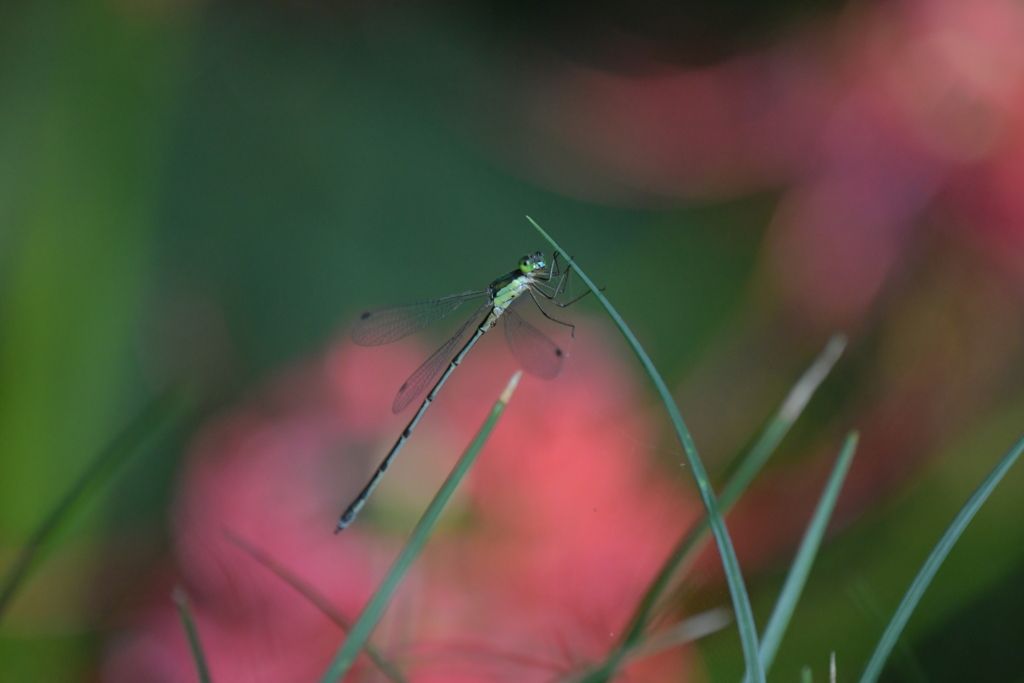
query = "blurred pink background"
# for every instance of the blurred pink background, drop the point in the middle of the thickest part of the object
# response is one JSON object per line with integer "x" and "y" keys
{"x": 538, "y": 567}
{"x": 887, "y": 129}
{"x": 215, "y": 190}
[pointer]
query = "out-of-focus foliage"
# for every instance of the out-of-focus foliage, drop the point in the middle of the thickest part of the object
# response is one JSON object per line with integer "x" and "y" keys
{"x": 212, "y": 191}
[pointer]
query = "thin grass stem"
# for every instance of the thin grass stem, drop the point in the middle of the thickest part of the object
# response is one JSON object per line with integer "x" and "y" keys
{"x": 931, "y": 565}
{"x": 750, "y": 466}
{"x": 156, "y": 419}
{"x": 693, "y": 628}
{"x": 785, "y": 605}
{"x": 315, "y": 598}
{"x": 374, "y": 610}
{"x": 734, "y": 578}
{"x": 188, "y": 622}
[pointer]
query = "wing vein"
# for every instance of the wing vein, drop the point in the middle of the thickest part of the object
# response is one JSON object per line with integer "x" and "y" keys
{"x": 389, "y": 324}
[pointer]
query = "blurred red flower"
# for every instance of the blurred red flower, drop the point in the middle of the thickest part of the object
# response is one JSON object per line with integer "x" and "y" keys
{"x": 865, "y": 121}
{"x": 546, "y": 553}
{"x": 893, "y": 133}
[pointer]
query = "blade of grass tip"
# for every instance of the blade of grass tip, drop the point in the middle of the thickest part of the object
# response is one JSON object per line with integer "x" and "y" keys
{"x": 910, "y": 667}
{"x": 931, "y": 565}
{"x": 686, "y": 631}
{"x": 633, "y": 645}
{"x": 189, "y": 624}
{"x": 805, "y": 675}
{"x": 797, "y": 578}
{"x": 374, "y": 609}
{"x": 155, "y": 420}
{"x": 733, "y": 576}
{"x": 750, "y": 465}
{"x": 792, "y": 407}
{"x": 315, "y": 598}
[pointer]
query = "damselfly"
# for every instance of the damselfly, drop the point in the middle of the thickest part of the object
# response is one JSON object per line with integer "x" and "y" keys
{"x": 535, "y": 352}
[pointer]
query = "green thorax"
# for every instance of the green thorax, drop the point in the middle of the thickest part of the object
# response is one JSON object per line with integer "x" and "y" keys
{"x": 506, "y": 288}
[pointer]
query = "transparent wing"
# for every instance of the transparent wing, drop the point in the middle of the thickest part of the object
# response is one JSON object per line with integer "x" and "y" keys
{"x": 432, "y": 367}
{"x": 537, "y": 354}
{"x": 386, "y": 325}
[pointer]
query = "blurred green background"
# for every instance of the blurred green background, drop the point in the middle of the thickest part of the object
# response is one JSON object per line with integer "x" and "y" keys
{"x": 213, "y": 190}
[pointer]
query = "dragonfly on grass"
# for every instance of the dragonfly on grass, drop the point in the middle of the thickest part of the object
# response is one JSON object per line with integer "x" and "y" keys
{"x": 532, "y": 349}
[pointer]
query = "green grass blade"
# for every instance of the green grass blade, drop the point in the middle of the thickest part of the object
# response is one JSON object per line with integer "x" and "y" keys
{"x": 687, "y": 631}
{"x": 374, "y": 610}
{"x": 693, "y": 628}
{"x": 792, "y": 406}
{"x": 797, "y": 578}
{"x": 750, "y": 465}
{"x": 737, "y": 588}
{"x": 315, "y": 598}
{"x": 189, "y": 624}
{"x": 154, "y": 421}
{"x": 931, "y": 565}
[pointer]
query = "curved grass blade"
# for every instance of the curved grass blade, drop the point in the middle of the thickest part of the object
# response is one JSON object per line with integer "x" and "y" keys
{"x": 537, "y": 354}
{"x": 189, "y": 624}
{"x": 734, "y": 578}
{"x": 931, "y": 565}
{"x": 315, "y": 598}
{"x": 797, "y": 578}
{"x": 154, "y": 421}
{"x": 432, "y": 367}
{"x": 645, "y": 646}
{"x": 374, "y": 609}
{"x": 386, "y": 325}
{"x": 687, "y": 631}
{"x": 750, "y": 465}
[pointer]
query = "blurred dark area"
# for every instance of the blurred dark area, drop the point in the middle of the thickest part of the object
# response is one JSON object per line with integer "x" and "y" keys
{"x": 600, "y": 33}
